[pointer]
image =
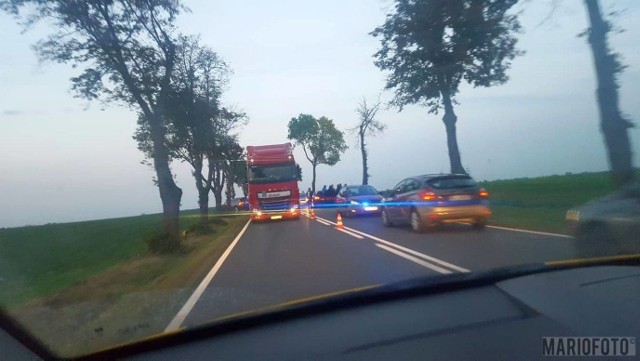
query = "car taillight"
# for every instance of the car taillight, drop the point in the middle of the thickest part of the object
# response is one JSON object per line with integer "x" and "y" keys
{"x": 483, "y": 193}
{"x": 340, "y": 200}
{"x": 428, "y": 196}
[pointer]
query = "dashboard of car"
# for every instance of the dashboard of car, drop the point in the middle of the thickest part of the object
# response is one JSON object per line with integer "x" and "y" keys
{"x": 508, "y": 319}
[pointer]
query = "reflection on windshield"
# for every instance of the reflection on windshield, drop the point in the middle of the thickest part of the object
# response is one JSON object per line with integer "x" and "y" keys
{"x": 272, "y": 173}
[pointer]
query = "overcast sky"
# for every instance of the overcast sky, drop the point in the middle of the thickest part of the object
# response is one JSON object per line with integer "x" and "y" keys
{"x": 63, "y": 159}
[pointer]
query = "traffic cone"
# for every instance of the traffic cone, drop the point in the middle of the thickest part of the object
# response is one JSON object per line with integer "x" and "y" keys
{"x": 339, "y": 221}
{"x": 312, "y": 213}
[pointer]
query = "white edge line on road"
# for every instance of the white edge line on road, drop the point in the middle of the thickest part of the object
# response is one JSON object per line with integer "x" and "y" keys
{"x": 350, "y": 233}
{"x": 414, "y": 259}
{"x": 532, "y": 232}
{"x": 415, "y": 253}
{"x": 188, "y": 306}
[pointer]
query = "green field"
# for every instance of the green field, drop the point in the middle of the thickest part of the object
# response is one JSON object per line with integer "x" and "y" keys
{"x": 40, "y": 260}
{"x": 541, "y": 203}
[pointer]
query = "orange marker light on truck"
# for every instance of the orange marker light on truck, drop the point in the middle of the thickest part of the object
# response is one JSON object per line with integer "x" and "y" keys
{"x": 483, "y": 193}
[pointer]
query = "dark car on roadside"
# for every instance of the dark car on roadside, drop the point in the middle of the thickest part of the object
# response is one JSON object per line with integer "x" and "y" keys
{"x": 427, "y": 201}
{"x": 611, "y": 222}
{"x": 356, "y": 200}
{"x": 240, "y": 204}
{"x": 325, "y": 198}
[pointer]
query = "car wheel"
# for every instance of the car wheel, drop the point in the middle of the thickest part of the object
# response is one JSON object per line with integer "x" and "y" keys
{"x": 480, "y": 224}
{"x": 385, "y": 219}
{"x": 417, "y": 225}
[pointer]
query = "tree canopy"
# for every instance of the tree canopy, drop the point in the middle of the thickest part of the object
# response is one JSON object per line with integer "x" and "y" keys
{"x": 430, "y": 46}
{"x": 126, "y": 50}
{"x": 319, "y": 138}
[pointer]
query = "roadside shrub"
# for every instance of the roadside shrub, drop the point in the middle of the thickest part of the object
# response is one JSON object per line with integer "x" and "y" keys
{"x": 208, "y": 227}
{"x": 219, "y": 221}
{"x": 161, "y": 242}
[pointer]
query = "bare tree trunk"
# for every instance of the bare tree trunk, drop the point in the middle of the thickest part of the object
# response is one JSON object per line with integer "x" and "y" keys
{"x": 365, "y": 170}
{"x": 202, "y": 185}
{"x": 313, "y": 182}
{"x": 217, "y": 194}
{"x": 613, "y": 126}
{"x": 170, "y": 193}
{"x": 203, "y": 203}
{"x": 450, "y": 120}
{"x": 217, "y": 183}
{"x": 230, "y": 192}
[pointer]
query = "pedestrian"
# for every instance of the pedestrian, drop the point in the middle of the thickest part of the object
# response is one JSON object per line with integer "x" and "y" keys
{"x": 338, "y": 188}
{"x": 309, "y": 196}
{"x": 324, "y": 190}
{"x": 331, "y": 191}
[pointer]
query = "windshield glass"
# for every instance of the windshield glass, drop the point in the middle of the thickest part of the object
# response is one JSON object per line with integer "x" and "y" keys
{"x": 135, "y": 199}
{"x": 451, "y": 182}
{"x": 271, "y": 173}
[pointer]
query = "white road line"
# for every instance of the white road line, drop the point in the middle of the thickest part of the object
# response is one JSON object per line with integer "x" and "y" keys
{"x": 408, "y": 250}
{"x": 188, "y": 306}
{"x": 350, "y": 233}
{"x": 414, "y": 259}
{"x": 323, "y": 222}
{"x": 532, "y": 232}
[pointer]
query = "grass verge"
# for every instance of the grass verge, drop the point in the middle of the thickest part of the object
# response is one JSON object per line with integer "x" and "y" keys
{"x": 36, "y": 261}
{"x": 541, "y": 203}
{"x": 127, "y": 299}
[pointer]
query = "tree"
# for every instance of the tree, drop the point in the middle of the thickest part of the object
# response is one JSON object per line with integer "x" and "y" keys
{"x": 225, "y": 151}
{"x": 240, "y": 172}
{"x": 613, "y": 125}
{"x": 368, "y": 125}
{"x": 191, "y": 113}
{"x": 320, "y": 140}
{"x": 128, "y": 53}
{"x": 298, "y": 172}
{"x": 430, "y": 46}
{"x": 234, "y": 154}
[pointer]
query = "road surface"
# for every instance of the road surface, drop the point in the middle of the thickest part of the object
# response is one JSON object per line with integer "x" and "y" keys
{"x": 283, "y": 261}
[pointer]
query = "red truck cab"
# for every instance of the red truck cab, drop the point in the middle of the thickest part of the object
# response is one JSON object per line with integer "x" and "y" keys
{"x": 272, "y": 183}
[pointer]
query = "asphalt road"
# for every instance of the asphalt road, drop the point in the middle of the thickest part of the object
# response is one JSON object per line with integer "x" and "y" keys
{"x": 283, "y": 261}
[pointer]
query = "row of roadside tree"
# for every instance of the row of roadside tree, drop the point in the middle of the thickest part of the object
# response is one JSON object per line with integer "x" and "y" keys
{"x": 130, "y": 52}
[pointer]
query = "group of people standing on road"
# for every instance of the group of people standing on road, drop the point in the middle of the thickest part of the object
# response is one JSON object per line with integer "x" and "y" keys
{"x": 327, "y": 192}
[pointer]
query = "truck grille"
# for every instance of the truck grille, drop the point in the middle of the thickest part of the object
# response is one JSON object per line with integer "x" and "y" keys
{"x": 274, "y": 205}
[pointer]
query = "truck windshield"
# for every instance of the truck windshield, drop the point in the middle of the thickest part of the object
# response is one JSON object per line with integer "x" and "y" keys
{"x": 272, "y": 173}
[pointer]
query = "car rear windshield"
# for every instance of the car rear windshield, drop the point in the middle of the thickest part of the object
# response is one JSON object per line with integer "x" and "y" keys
{"x": 451, "y": 182}
{"x": 361, "y": 191}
